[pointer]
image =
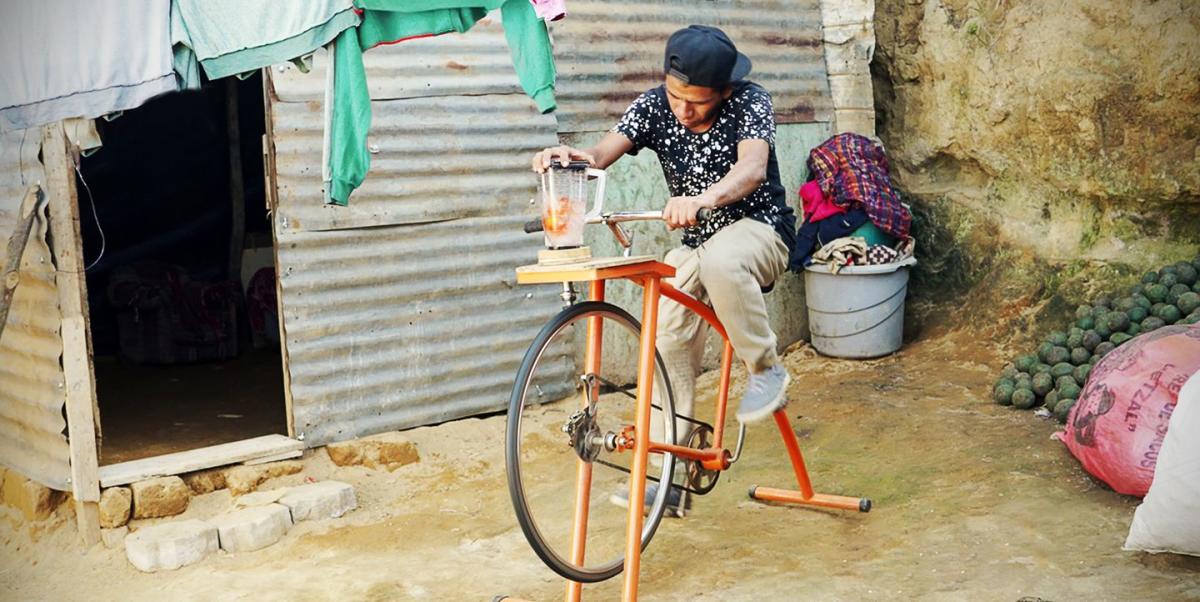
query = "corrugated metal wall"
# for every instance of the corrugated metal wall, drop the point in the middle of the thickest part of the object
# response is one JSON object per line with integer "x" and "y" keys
{"x": 31, "y": 377}
{"x": 609, "y": 51}
{"x": 402, "y": 309}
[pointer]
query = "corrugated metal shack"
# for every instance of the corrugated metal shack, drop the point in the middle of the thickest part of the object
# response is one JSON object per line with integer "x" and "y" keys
{"x": 402, "y": 309}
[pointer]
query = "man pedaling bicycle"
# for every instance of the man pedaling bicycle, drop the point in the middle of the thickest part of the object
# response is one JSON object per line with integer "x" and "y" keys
{"x": 714, "y": 134}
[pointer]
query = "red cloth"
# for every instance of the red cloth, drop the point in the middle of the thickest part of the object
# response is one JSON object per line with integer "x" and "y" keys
{"x": 851, "y": 168}
{"x": 817, "y": 206}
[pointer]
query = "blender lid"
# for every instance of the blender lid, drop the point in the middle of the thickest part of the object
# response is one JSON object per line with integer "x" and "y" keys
{"x": 573, "y": 165}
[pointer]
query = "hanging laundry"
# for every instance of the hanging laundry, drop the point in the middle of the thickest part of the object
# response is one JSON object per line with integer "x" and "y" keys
{"x": 231, "y": 37}
{"x": 550, "y": 10}
{"x": 852, "y": 168}
{"x": 389, "y": 21}
{"x": 64, "y": 58}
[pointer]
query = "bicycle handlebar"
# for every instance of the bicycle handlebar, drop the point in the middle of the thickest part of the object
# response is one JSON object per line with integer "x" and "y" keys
{"x": 617, "y": 217}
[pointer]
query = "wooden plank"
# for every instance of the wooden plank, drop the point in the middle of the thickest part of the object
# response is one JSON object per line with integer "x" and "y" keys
{"x": 77, "y": 352}
{"x": 277, "y": 457}
{"x": 11, "y": 276}
{"x": 272, "y": 198}
{"x": 594, "y": 269}
{"x": 197, "y": 459}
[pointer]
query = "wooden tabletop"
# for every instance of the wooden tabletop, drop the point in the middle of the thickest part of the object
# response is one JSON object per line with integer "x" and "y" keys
{"x": 601, "y": 268}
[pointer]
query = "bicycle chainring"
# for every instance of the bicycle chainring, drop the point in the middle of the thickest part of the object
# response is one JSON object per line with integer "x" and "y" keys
{"x": 700, "y": 480}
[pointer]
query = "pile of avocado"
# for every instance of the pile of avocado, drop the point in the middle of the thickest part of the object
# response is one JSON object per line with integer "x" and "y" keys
{"x": 1054, "y": 374}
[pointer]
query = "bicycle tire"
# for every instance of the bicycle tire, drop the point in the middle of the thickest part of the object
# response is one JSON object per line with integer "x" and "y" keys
{"x": 556, "y": 561}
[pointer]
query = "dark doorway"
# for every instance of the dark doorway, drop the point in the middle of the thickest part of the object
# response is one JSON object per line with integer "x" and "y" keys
{"x": 181, "y": 275}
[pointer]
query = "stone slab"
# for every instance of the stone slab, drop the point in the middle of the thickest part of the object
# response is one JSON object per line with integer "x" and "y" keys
{"x": 114, "y": 538}
{"x": 252, "y": 528}
{"x": 116, "y": 503}
{"x": 244, "y": 479}
{"x": 163, "y": 496}
{"x": 385, "y": 450}
{"x": 169, "y": 546}
{"x": 327, "y": 499}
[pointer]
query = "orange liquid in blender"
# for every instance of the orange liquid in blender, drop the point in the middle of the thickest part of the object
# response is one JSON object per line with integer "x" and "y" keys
{"x": 556, "y": 216}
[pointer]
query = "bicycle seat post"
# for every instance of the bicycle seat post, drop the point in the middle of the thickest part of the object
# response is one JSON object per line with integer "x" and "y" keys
{"x": 568, "y": 294}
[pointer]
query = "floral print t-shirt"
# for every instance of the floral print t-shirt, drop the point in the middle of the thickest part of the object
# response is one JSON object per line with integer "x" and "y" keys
{"x": 693, "y": 162}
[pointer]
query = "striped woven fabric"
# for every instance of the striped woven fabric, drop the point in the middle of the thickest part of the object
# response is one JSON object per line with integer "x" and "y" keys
{"x": 853, "y": 169}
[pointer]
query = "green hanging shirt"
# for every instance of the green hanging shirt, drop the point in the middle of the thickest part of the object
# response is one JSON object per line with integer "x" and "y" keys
{"x": 393, "y": 20}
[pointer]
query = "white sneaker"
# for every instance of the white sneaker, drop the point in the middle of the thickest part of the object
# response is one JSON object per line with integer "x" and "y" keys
{"x": 765, "y": 393}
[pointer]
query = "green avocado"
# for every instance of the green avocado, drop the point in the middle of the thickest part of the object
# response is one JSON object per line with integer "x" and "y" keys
{"x": 1069, "y": 391}
{"x": 1142, "y": 301}
{"x": 1075, "y": 339}
{"x": 1050, "y": 399}
{"x": 1177, "y": 291}
{"x": 1081, "y": 373}
{"x": 1040, "y": 369}
{"x": 1102, "y": 349}
{"x": 1058, "y": 355}
{"x": 1023, "y": 399}
{"x": 1138, "y": 314}
{"x": 1152, "y": 323}
{"x": 1062, "y": 409}
{"x": 1025, "y": 363}
{"x": 1060, "y": 381}
{"x": 1134, "y": 329}
{"x": 1187, "y": 273}
{"x": 1188, "y": 302}
{"x": 1058, "y": 338}
{"x": 1126, "y": 304}
{"x": 1091, "y": 339}
{"x": 1061, "y": 369}
{"x": 1042, "y": 383}
{"x": 1171, "y": 314}
{"x": 1119, "y": 338}
{"x": 1117, "y": 321}
{"x": 1156, "y": 292}
{"x": 1002, "y": 393}
{"x": 1079, "y": 355}
{"x": 1150, "y": 277}
{"x": 1086, "y": 323}
{"x": 1168, "y": 279}
{"x": 1043, "y": 350}
{"x": 1136, "y": 290}
{"x": 1083, "y": 311}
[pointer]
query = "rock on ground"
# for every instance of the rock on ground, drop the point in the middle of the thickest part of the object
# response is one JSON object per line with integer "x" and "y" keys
{"x": 244, "y": 479}
{"x": 32, "y": 499}
{"x": 170, "y": 545}
{"x": 327, "y": 499}
{"x": 205, "y": 481}
{"x": 252, "y": 528}
{"x": 116, "y": 504}
{"x": 385, "y": 450}
{"x": 260, "y": 498}
{"x": 163, "y": 496}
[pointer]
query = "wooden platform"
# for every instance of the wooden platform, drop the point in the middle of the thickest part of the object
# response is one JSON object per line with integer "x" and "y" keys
{"x": 265, "y": 448}
{"x": 594, "y": 269}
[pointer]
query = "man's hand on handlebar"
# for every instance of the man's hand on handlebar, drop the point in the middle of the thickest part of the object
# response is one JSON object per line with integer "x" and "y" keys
{"x": 563, "y": 154}
{"x": 681, "y": 211}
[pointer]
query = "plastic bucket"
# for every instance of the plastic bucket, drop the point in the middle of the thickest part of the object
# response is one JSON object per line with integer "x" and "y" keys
{"x": 858, "y": 312}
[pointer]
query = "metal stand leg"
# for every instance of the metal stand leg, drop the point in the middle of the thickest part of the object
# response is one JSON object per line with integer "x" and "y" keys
{"x": 805, "y": 495}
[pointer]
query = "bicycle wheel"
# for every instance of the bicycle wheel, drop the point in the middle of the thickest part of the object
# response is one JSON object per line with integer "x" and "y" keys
{"x": 560, "y": 417}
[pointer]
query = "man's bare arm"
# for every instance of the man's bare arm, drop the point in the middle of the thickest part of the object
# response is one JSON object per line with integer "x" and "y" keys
{"x": 743, "y": 178}
{"x": 604, "y": 153}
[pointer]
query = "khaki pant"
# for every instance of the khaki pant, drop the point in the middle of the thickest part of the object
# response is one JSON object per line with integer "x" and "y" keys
{"x": 728, "y": 271}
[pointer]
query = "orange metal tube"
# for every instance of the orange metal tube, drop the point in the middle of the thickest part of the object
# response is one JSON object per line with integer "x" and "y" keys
{"x": 690, "y": 302}
{"x": 711, "y": 454}
{"x": 583, "y": 472}
{"x": 793, "y": 449}
{"x": 637, "y": 476}
{"x": 817, "y": 499}
{"x": 723, "y": 395}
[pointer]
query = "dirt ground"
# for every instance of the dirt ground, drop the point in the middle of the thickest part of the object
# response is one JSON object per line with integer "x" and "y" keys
{"x": 972, "y": 501}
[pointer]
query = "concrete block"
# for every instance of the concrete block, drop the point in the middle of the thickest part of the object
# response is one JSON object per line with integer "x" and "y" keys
{"x": 114, "y": 538}
{"x": 163, "y": 496}
{"x": 169, "y": 546}
{"x": 244, "y": 479}
{"x": 838, "y": 12}
{"x": 32, "y": 499}
{"x": 260, "y": 498}
{"x": 205, "y": 481}
{"x": 852, "y": 91}
{"x": 386, "y": 450}
{"x": 858, "y": 121}
{"x": 327, "y": 499}
{"x": 116, "y": 504}
{"x": 252, "y": 528}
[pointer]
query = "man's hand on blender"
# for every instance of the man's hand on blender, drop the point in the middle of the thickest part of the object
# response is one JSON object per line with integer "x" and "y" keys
{"x": 563, "y": 154}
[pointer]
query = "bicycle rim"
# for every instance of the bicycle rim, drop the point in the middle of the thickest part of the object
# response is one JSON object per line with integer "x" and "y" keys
{"x": 542, "y": 466}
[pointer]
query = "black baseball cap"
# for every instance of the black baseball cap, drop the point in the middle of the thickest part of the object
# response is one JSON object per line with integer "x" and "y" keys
{"x": 700, "y": 55}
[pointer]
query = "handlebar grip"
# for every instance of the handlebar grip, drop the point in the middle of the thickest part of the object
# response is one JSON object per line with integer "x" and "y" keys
{"x": 703, "y": 214}
{"x": 533, "y": 225}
